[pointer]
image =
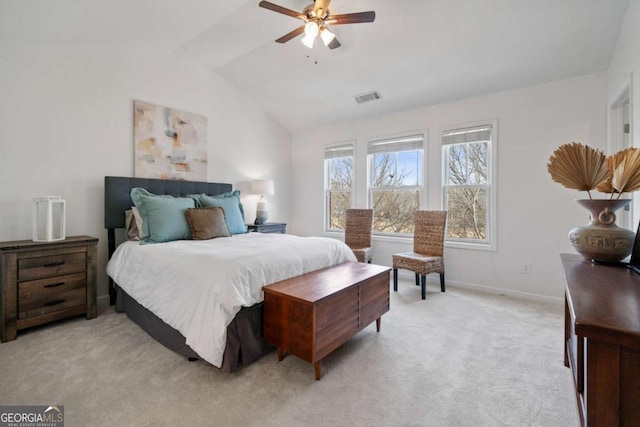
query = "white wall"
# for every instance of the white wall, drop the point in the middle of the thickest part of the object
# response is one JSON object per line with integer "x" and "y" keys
{"x": 534, "y": 213}
{"x": 66, "y": 121}
{"x": 624, "y": 71}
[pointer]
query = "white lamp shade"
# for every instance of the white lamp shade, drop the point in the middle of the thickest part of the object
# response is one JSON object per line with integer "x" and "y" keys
{"x": 327, "y": 36}
{"x": 308, "y": 41}
{"x": 311, "y": 29}
{"x": 263, "y": 187}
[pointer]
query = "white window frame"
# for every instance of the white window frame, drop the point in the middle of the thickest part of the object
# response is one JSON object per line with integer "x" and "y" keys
{"x": 421, "y": 182}
{"x": 327, "y": 190}
{"x": 491, "y": 242}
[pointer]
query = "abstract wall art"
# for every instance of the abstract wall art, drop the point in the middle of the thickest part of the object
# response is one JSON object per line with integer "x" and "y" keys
{"x": 169, "y": 143}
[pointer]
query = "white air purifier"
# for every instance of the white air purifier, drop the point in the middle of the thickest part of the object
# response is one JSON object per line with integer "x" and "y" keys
{"x": 48, "y": 219}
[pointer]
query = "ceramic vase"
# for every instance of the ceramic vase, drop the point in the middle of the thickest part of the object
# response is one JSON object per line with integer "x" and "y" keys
{"x": 601, "y": 239}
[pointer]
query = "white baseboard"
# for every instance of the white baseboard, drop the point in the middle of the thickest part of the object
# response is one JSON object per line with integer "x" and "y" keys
{"x": 103, "y": 301}
{"x": 488, "y": 289}
{"x": 507, "y": 292}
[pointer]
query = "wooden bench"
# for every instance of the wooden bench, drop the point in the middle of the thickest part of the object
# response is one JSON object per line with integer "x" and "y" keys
{"x": 311, "y": 315}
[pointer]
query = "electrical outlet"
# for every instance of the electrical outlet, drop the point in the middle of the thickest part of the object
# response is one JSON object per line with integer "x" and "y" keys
{"x": 525, "y": 269}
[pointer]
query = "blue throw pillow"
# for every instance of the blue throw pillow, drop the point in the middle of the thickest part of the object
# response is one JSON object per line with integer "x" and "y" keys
{"x": 233, "y": 211}
{"x": 163, "y": 217}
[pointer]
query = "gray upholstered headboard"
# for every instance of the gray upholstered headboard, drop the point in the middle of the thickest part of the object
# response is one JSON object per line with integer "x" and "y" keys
{"x": 117, "y": 191}
{"x": 117, "y": 198}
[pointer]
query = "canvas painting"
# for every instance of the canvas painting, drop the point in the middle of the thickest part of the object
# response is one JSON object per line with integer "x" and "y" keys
{"x": 169, "y": 143}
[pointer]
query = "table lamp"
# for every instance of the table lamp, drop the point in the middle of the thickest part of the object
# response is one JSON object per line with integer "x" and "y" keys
{"x": 263, "y": 187}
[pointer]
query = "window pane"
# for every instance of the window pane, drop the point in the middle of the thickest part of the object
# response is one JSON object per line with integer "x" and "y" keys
{"x": 393, "y": 210}
{"x": 467, "y": 213}
{"x": 478, "y": 165}
{"x": 457, "y": 159}
{"x": 339, "y": 202}
{"x": 384, "y": 170}
{"x": 467, "y": 163}
{"x": 409, "y": 168}
{"x": 399, "y": 169}
{"x": 340, "y": 173}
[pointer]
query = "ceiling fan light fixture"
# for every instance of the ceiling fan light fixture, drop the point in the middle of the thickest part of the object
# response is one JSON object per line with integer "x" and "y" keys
{"x": 308, "y": 41}
{"x": 327, "y": 36}
{"x": 311, "y": 29}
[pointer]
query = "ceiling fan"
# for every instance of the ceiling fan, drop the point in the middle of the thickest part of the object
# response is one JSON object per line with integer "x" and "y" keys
{"x": 316, "y": 17}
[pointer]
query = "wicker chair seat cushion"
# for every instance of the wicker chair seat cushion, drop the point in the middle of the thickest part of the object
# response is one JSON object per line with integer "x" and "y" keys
{"x": 418, "y": 263}
{"x": 362, "y": 254}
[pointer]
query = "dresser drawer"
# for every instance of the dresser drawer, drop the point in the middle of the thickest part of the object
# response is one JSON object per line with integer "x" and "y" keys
{"x": 374, "y": 299}
{"x": 52, "y": 265}
{"x": 37, "y": 297}
{"x": 335, "y": 308}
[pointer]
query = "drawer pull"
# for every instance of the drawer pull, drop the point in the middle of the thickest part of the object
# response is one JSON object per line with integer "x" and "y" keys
{"x": 54, "y": 285}
{"x": 56, "y": 302}
{"x": 54, "y": 264}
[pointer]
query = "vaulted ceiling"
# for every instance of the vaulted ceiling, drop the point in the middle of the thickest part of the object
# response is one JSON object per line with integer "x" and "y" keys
{"x": 416, "y": 53}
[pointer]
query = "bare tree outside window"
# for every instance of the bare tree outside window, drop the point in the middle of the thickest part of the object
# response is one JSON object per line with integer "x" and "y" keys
{"x": 395, "y": 190}
{"x": 338, "y": 190}
{"x": 466, "y": 190}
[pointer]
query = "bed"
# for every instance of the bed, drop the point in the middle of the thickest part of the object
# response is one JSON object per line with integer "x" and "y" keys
{"x": 203, "y": 298}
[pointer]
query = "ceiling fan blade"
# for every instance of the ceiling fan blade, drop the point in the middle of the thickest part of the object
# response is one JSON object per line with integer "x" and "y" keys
{"x": 321, "y": 4}
{"x": 291, "y": 35}
{"x": 334, "y": 44}
{"x": 280, "y": 9}
{"x": 352, "y": 18}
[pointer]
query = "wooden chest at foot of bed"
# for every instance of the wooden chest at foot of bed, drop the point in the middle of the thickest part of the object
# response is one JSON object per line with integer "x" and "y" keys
{"x": 41, "y": 282}
{"x": 311, "y": 315}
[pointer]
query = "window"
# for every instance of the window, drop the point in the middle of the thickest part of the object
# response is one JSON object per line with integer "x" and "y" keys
{"x": 338, "y": 183}
{"x": 467, "y": 189}
{"x": 395, "y": 182}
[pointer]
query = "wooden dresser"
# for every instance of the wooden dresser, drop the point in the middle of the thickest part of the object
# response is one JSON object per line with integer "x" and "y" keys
{"x": 41, "y": 282}
{"x": 311, "y": 315}
{"x": 602, "y": 340}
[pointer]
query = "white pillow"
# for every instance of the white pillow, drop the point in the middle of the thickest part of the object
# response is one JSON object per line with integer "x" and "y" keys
{"x": 133, "y": 224}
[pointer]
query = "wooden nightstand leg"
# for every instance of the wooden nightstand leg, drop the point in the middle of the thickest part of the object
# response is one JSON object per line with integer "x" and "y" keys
{"x": 378, "y": 322}
{"x": 9, "y": 297}
{"x": 92, "y": 280}
{"x": 10, "y": 332}
{"x": 317, "y": 368}
{"x": 280, "y": 355}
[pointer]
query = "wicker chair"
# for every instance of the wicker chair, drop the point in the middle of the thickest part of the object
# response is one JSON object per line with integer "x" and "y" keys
{"x": 357, "y": 233}
{"x": 427, "y": 255}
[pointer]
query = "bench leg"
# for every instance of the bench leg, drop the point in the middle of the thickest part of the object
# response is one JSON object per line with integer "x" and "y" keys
{"x": 395, "y": 280}
{"x": 378, "y": 321}
{"x": 442, "y": 282}
{"x": 316, "y": 367}
{"x": 423, "y": 279}
{"x": 417, "y": 279}
{"x": 280, "y": 355}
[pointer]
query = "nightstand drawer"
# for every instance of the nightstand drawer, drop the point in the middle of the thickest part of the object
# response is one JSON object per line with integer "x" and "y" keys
{"x": 35, "y": 268}
{"x": 43, "y": 296}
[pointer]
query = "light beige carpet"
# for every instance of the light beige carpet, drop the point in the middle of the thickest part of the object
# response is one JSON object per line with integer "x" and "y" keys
{"x": 459, "y": 358}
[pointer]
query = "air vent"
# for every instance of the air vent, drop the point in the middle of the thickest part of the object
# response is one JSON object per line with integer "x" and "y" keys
{"x": 366, "y": 97}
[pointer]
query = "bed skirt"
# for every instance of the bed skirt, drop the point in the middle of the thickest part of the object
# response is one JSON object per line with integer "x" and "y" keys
{"x": 245, "y": 341}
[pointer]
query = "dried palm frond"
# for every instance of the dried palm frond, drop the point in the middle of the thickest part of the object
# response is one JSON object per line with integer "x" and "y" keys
{"x": 613, "y": 161}
{"x": 626, "y": 175}
{"x": 578, "y": 166}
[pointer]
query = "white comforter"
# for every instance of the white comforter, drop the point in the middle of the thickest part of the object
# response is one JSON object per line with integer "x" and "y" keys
{"x": 198, "y": 286}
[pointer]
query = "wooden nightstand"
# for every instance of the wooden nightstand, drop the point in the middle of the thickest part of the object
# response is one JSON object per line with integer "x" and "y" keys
{"x": 41, "y": 282}
{"x": 268, "y": 227}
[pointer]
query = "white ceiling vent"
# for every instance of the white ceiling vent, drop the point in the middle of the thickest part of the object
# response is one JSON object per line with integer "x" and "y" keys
{"x": 366, "y": 97}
